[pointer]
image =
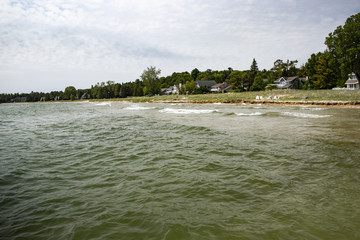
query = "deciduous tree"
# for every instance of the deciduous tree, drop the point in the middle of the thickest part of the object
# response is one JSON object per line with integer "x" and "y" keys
{"x": 344, "y": 45}
{"x": 68, "y": 92}
{"x": 150, "y": 77}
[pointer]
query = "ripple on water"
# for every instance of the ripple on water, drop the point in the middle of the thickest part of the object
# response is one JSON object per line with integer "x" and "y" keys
{"x": 80, "y": 171}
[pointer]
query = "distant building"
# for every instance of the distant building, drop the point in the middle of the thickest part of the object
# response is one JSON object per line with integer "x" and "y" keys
{"x": 221, "y": 87}
{"x": 353, "y": 81}
{"x": 19, "y": 99}
{"x": 175, "y": 89}
{"x": 206, "y": 84}
{"x": 85, "y": 96}
{"x": 290, "y": 82}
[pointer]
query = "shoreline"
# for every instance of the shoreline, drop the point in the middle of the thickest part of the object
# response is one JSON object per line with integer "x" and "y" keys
{"x": 344, "y": 104}
{"x": 350, "y": 104}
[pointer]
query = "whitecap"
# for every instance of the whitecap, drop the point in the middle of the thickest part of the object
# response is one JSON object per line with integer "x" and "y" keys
{"x": 305, "y": 115}
{"x": 186, "y": 111}
{"x": 313, "y": 109}
{"x": 103, "y": 104}
{"x": 217, "y": 103}
{"x": 137, "y": 107}
{"x": 249, "y": 114}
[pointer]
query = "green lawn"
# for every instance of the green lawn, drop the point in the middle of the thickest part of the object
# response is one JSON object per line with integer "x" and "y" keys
{"x": 285, "y": 95}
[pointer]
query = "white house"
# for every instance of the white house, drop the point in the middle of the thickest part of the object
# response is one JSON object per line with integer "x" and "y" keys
{"x": 176, "y": 89}
{"x": 352, "y": 82}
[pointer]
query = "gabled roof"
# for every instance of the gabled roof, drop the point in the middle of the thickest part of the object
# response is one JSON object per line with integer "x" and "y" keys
{"x": 220, "y": 85}
{"x": 205, "y": 83}
{"x": 352, "y": 81}
{"x": 228, "y": 87}
{"x": 287, "y": 79}
{"x": 217, "y": 85}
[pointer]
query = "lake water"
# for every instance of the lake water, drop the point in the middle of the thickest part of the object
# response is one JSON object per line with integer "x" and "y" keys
{"x": 178, "y": 171}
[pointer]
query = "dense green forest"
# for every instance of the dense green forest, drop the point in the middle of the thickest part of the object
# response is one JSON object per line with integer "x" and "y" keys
{"x": 324, "y": 70}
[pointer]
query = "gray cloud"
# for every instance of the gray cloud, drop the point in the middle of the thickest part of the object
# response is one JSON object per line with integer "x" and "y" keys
{"x": 82, "y": 43}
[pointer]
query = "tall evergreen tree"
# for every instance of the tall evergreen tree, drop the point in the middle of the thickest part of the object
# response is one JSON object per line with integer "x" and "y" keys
{"x": 254, "y": 66}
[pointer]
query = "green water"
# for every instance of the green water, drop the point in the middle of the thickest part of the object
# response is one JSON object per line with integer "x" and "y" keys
{"x": 162, "y": 171}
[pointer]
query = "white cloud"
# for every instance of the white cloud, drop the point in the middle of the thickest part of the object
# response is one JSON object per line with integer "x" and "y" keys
{"x": 82, "y": 43}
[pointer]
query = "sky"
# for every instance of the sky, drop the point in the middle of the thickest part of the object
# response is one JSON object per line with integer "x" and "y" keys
{"x": 49, "y": 45}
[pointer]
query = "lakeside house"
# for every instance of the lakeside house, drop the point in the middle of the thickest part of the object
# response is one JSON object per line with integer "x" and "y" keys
{"x": 206, "y": 84}
{"x": 175, "y": 89}
{"x": 221, "y": 87}
{"x": 353, "y": 81}
{"x": 19, "y": 99}
{"x": 290, "y": 82}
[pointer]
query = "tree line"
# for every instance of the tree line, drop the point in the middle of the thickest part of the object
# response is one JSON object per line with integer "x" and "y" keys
{"x": 324, "y": 70}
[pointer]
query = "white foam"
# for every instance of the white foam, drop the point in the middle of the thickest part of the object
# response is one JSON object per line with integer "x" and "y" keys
{"x": 217, "y": 103}
{"x": 313, "y": 109}
{"x": 186, "y": 111}
{"x": 249, "y": 114}
{"x": 305, "y": 115}
{"x": 137, "y": 108}
{"x": 103, "y": 104}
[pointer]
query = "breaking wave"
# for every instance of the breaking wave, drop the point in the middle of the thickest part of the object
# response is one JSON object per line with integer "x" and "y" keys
{"x": 137, "y": 107}
{"x": 187, "y": 111}
{"x": 249, "y": 114}
{"x": 103, "y": 104}
{"x": 305, "y": 115}
{"x": 313, "y": 109}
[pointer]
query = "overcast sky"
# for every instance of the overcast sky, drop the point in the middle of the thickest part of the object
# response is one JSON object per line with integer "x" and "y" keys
{"x": 49, "y": 45}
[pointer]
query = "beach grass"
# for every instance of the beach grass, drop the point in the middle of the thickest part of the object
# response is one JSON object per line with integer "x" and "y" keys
{"x": 234, "y": 97}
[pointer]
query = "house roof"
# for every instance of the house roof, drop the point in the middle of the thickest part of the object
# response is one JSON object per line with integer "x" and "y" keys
{"x": 352, "y": 81}
{"x": 228, "y": 87}
{"x": 217, "y": 85}
{"x": 206, "y": 83}
{"x": 287, "y": 79}
{"x": 221, "y": 85}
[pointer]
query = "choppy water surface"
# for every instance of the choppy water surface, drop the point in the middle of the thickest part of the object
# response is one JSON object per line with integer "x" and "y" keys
{"x": 165, "y": 171}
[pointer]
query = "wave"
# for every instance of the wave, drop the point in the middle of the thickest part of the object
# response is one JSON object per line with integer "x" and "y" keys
{"x": 103, "y": 104}
{"x": 137, "y": 107}
{"x": 249, "y": 114}
{"x": 305, "y": 115}
{"x": 187, "y": 111}
{"x": 313, "y": 109}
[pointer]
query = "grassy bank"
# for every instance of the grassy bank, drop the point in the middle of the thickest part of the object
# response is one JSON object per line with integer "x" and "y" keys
{"x": 286, "y": 96}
